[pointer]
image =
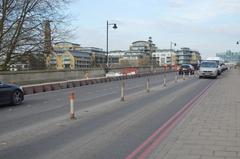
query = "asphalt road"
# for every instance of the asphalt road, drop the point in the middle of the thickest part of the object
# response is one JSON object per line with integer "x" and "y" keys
{"x": 106, "y": 128}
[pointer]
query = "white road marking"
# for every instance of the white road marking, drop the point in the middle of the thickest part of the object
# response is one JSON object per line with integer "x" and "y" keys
{"x": 60, "y": 124}
{"x": 3, "y": 143}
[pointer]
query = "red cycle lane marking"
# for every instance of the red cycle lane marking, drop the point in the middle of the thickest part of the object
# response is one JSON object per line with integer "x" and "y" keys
{"x": 174, "y": 122}
{"x": 164, "y": 130}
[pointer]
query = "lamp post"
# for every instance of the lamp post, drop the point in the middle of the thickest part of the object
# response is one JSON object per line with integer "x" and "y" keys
{"x": 238, "y": 42}
{"x": 107, "y": 58}
{"x": 172, "y": 44}
{"x": 171, "y": 48}
{"x": 150, "y": 48}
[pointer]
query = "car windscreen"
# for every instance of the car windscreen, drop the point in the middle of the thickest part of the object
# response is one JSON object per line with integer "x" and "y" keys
{"x": 185, "y": 66}
{"x": 209, "y": 64}
{"x": 215, "y": 61}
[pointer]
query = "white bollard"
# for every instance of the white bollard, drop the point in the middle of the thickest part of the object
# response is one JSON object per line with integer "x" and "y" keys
{"x": 71, "y": 99}
{"x": 148, "y": 89}
{"x": 176, "y": 78}
{"x": 164, "y": 81}
{"x": 122, "y": 91}
{"x": 184, "y": 76}
{"x": 197, "y": 73}
{"x": 86, "y": 75}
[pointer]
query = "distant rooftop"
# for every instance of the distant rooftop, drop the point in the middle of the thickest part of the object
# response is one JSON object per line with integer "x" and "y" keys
{"x": 65, "y": 42}
{"x": 77, "y": 53}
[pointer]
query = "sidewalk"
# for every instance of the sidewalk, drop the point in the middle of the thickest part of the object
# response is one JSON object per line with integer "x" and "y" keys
{"x": 211, "y": 130}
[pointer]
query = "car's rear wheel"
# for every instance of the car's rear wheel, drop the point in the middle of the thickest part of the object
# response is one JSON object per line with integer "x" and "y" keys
{"x": 17, "y": 97}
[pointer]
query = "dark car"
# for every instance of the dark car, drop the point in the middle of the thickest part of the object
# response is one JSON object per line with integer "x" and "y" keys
{"x": 186, "y": 69}
{"x": 11, "y": 94}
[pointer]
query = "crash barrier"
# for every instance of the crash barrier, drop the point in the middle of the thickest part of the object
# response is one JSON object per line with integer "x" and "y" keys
{"x": 46, "y": 87}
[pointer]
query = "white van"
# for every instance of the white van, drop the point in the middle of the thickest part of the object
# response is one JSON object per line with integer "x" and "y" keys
{"x": 208, "y": 69}
{"x": 219, "y": 61}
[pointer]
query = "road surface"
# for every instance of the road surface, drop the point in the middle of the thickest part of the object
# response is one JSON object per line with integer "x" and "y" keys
{"x": 105, "y": 128}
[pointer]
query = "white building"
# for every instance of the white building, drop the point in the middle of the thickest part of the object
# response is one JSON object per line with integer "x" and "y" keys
{"x": 115, "y": 56}
{"x": 142, "y": 48}
{"x": 163, "y": 57}
{"x": 19, "y": 67}
{"x": 2, "y": 58}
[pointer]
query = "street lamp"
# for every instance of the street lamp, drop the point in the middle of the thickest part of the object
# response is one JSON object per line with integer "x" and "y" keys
{"x": 114, "y": 27}
{"x": 171, "y": 44}
{"x": 150, "y": 48}
{"x": 171, "y": 47}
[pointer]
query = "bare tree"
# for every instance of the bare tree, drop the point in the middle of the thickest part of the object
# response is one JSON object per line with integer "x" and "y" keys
{"x": 22, "y": 26}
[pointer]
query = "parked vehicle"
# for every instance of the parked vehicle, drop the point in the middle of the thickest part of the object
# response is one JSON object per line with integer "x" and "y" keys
{"x": 186, "y": 69}
{"x": 208, "y": 69}
{"x": 224, "y": 67}
{"x": 11, "y": 94}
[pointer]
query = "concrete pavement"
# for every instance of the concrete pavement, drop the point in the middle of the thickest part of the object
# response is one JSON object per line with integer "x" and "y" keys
{"x": 211, "y": 130}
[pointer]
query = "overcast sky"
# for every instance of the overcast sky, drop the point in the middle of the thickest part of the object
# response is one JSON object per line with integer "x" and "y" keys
{"x": 209, "y": 26}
